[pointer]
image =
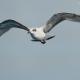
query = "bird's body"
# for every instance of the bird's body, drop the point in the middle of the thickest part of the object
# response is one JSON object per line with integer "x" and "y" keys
{"x": 39, "y": 33}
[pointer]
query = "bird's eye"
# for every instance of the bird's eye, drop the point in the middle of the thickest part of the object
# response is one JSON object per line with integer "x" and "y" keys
{"x": 34, "y": 30}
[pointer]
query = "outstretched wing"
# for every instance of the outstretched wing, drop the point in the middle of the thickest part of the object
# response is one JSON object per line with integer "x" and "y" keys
{"x": 8, "y": 24}
{"x": 59, "y": 17}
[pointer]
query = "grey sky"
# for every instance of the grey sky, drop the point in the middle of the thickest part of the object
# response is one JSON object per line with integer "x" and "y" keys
{"x": 21, "y": 59}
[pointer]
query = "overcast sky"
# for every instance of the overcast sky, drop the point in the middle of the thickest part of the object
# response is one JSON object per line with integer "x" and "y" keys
{"x": 21, "y": 59}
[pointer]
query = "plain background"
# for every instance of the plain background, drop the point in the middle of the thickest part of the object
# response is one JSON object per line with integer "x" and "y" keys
{"x": 21, "y": 59}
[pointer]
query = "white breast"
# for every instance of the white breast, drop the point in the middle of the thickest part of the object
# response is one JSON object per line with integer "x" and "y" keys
{"x": 39, "y": 34}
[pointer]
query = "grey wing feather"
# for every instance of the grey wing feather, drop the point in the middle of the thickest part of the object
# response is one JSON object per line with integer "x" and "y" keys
{"x": 59, "y": 17}
{"x": 8, "y": 24}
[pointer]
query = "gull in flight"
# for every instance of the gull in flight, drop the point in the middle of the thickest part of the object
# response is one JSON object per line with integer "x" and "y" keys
{"x": 39, "y": 33}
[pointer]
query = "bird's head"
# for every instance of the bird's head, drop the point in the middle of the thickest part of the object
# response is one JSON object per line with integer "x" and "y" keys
{"x": 33, "y": 30}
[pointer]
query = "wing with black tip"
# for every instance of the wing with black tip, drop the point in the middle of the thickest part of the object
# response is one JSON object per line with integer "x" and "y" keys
{"x": 59, "y": 17}
{"x": 8, "y": 24}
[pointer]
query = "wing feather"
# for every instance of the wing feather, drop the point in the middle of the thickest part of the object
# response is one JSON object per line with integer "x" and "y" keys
{"x": 8, "y": 24}
{"x": 59, "y": 17}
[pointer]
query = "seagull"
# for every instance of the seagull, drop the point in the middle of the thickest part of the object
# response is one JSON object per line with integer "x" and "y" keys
{"x": 39, "y": 33}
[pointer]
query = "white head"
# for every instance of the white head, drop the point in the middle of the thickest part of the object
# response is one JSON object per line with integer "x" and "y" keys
{"x": 33, "y": 30}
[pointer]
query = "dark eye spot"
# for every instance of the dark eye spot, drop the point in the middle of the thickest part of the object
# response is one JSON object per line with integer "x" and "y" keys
{"x": 34, "y": 30}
